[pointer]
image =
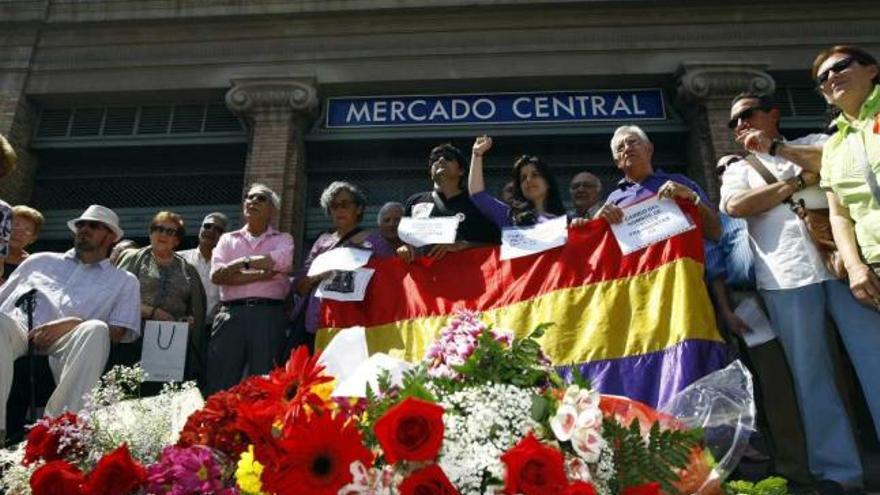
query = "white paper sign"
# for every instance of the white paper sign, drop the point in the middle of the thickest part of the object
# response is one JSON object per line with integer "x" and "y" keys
{"x": 367, "y": 375}
{"x": 649, "y": 222}
{"x": 164, "y": 352}
{"x": 751, "y": 314}
{"x": 345, "y": 353}
{"x": 420, "y": 232}
{"x": 346, "y": 285}
{"x": 341, "y": 258}
{"x": 523, "y": 241}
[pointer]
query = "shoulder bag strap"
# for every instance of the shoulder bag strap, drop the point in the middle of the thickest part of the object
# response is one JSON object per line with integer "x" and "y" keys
{"x": 769, "y": 178}
{"x": 441, "y": 206}
{"x": 861, "y": 155}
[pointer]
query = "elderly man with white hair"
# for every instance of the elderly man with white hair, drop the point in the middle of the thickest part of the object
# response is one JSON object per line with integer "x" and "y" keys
{"x": 632, "y": 152}
{"x": 81, "y": 303}
{"x": 251, "y": 266}
{"x": 388, "y": 219}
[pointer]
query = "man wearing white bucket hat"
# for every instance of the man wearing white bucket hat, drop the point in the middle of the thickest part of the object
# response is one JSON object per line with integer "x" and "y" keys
{"x": 82, "y": 303}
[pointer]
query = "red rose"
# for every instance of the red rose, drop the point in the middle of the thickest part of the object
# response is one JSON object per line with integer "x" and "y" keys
{"x": 411, "y": 431}
{"x": 41, "y": 444}
{"x": 57, "y": 478}
{"x": 579, "y": 488}
{"x": 646, "y": 489}
{"x": 116, "y": 474}
{"x": 533, "y": 468}
{"x": 428, "y": 481}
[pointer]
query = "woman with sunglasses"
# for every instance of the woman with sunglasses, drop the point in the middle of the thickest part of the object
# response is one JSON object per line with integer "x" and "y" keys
{"x": 849, "y": 79}
{"x": 171, "y": 289}
{"x": 536, "y": 195}
{"x": 344, "y": 203}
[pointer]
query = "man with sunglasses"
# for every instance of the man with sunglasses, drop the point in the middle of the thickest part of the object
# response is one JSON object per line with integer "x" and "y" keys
{"x": 449, "y": 198}
{"x": 797, "y": 289}
{"x": 251, "y": 266}
{"x": 213, "y": 226}
{"x": 81, "y": 303}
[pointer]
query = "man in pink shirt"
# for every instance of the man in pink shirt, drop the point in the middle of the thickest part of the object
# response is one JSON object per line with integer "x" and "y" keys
{"x": 251, "y": 268}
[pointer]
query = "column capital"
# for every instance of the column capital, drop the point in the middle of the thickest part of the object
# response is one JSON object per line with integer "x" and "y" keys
{"x": 704, "y": 80}
{"x": 273, "y": 98}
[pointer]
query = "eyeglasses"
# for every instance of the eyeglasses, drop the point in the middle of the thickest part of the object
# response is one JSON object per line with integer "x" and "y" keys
{"x": 745, "y": 115}
{"x": 344, "y": 204}
{"x": 447, "y": 156}
{"x": 163, "y": 230}
{"x": 583, "y": 185}
{"x": 215, "y": 228}
{"x": 92, "y": 224}
{"x": 838, "y": 67}
{"x": 258, "y": 197}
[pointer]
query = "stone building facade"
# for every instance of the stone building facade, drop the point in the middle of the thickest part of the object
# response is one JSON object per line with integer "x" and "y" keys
{"x": 146, "y": 105}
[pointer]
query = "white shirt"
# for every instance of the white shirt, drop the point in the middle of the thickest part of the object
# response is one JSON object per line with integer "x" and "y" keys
{"x": 785, "y": 255}
{"x": 203, "y": 266}
{"x": 66, "y": 287}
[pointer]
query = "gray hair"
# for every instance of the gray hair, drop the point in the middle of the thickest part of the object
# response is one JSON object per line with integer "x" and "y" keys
{"x": 627, "y": 129}
{"x": 219, "y": 216}
{"x": 386, "y": 208}
{"x": 338, "y": 186}
{"x": 263, "y": 188}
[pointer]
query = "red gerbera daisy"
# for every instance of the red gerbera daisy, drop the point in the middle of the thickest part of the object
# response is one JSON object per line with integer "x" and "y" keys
{"x": 214, "y": 425}
{"x": 290, "y": 388}
{"x": 316, "y": 457}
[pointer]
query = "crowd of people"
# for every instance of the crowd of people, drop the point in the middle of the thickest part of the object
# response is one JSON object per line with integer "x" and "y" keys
{"x": 798, "y": 224}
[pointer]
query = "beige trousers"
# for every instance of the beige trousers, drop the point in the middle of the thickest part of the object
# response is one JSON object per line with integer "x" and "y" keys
{"x": 77, "y": 360}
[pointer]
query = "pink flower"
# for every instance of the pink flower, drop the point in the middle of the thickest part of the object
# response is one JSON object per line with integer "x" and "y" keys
{"x": 186, "y": 471}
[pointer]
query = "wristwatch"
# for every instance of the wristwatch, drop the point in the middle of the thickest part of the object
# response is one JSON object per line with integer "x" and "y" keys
{"x": 247, "y": 262}
{"x": 774, "y": 146}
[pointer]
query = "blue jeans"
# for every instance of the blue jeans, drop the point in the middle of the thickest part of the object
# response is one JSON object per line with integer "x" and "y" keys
{"x": 798, "y": 317}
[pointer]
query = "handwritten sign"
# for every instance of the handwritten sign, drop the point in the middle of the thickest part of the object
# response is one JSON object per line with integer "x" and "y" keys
{"x": 420, "y": 232}
{"x": 341, "y": 258}
{"x": 524, "y": 241}
{"x": 648, "y": 222}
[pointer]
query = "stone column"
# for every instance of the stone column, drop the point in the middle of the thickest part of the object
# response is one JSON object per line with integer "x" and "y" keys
{"x": 705, "y": 91}
{"x": 278, "y": 112}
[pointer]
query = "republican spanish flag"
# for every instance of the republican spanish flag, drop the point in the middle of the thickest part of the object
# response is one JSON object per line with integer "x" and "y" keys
{"x": 639, "y": 325}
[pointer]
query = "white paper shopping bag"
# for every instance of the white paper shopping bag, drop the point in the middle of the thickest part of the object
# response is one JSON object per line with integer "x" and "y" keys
{"x": 164, "y": 352}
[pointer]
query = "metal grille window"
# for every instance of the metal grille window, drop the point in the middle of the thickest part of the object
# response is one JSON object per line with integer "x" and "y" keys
{"x": 74, "y": 124}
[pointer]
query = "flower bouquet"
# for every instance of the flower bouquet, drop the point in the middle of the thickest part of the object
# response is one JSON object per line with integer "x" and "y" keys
{"x": 483, "y": 413}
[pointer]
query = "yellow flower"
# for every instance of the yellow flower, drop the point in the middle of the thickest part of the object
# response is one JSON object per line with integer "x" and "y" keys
{"x": 323, "y": 390}
{"x": 248, "y": 473}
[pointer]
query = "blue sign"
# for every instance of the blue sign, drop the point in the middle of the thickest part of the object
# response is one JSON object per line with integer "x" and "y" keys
{"x": 499, "y": 108}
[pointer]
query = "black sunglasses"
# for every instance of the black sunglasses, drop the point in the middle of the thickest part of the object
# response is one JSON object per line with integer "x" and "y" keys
{"x": 746, "y": 115}
{"x": 215, "y": 228}
{"x": 92, "y": 224}
{"x": 259, "y": 198}
{"x": 163, "y": 230}
{"x": 446, "y": 155}
{"x": 838, "y": 67}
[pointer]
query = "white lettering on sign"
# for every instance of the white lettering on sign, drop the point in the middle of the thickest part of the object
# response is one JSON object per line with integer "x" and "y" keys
{"x": 421, "y": 103}
{"x": 438, "y": 110}
{"x": 397, "y": 108}
{"x": 518, "y": 111}
{"x": 598, "y": 105}
{"x": 490, "y": 111}
{"x": 620, "y": 107}
{"x": 460, "y": 109}
{"x": 379, "y": 109}
{"x": 356, "y": 115}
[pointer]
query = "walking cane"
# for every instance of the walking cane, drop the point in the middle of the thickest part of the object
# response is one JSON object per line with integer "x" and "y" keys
{"x": 28, "y": 301}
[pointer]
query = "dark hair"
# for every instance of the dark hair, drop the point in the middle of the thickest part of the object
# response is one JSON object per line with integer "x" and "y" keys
{"x": 449, "y": 151}
{"x": 860, "y": 56}
{"x": 766, "y": 101}
{"x": 523, "y": 213}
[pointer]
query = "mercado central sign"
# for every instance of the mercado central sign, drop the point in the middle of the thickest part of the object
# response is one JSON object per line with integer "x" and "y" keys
{"x": 495, "y": 108}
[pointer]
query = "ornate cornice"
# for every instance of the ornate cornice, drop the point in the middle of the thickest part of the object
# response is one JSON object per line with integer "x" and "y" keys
{"x": 273, "y": 98}
{"x": 702, "y": 80}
